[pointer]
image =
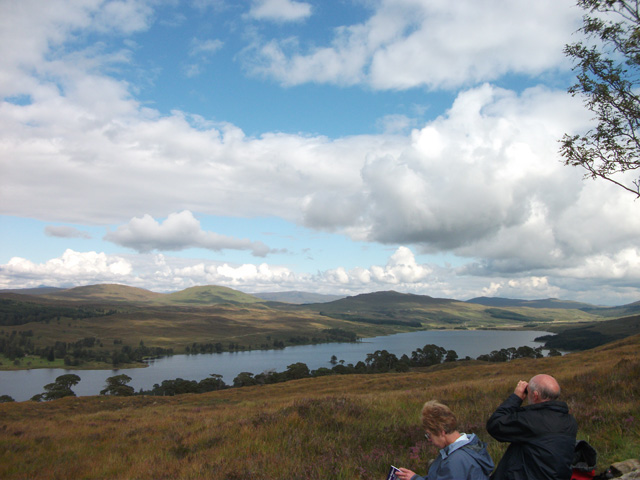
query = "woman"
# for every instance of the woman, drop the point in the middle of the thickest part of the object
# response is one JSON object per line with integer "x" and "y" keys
{"x": 462, "y": 456}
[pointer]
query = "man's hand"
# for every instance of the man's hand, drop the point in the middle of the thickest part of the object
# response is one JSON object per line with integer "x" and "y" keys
{"x": 521, "y": 389}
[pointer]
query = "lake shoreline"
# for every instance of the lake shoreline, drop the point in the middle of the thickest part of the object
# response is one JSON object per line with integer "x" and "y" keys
{"x": 23, "y": 384}
{"x": 59, "y": 364}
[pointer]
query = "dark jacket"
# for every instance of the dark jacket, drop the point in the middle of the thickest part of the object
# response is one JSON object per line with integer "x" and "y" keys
{"x": 542, "y": 436}
{"x": 461, "y": 461}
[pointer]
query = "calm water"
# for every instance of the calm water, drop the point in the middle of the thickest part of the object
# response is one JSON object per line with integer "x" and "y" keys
{"x": 23, "y": 384}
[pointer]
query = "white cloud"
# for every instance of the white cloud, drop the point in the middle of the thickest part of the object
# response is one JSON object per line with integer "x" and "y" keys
{"x": 280, "y": 10}
{"x": 31, "y": 29}
{"x": 395, "y": 124}
{"x": 178, "y": 232}
{"x": 200, "y": 52}
{"x": 205, "y": 47}
{"x": 75, "y": 268}
{"x": 162, "y": 273}
{"x": 483, "y": 180}
{"x": 438, "y": 44}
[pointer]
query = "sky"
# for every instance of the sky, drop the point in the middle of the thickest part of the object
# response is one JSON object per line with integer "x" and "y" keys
{"x": 335, "y": 147}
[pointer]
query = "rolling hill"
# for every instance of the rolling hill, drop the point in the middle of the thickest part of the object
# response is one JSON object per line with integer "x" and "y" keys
{"x": 296, "y": 297}
{"x": 593, "y": 334}
{"x": 545, "y": 303}
{"x": 612, "y": 312}
{"x": 393, "y": 308}
{"x": 105, "y": 293}
{"x": 208, "y": 295}
{"x": 32, "y": 291}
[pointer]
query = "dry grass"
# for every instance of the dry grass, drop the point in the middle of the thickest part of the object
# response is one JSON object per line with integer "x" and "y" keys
{"x": 335, "y": 427}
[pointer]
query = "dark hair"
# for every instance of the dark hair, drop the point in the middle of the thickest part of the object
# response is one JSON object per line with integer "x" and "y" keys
{"x": 437, "y": 417}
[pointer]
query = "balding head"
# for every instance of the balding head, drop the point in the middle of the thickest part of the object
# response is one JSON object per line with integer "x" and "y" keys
{"x": 545, "y": 386}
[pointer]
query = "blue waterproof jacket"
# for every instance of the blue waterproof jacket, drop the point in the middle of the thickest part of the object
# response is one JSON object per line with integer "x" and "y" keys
{"x": 461, "y": 461}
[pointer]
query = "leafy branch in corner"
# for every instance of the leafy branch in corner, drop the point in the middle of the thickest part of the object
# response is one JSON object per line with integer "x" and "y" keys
{"x": 608, "y": 80}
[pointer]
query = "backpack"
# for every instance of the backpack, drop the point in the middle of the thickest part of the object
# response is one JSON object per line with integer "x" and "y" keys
{"x": 584, "y": 461}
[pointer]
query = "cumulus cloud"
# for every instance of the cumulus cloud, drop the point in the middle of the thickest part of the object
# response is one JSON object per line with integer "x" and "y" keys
{"x": 64, "y": 231}
{"x": 162, "y": 273}
{"x": 405, "y": 44}
{"x": 75, "y": 268}
{"x": 178, "y": 232}
{"x": 482, "y": 180}
{"x": 280, "y": 10}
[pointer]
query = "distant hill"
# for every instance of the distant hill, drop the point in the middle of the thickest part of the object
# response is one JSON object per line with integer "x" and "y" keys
{"x": 614, "y": 312}
{"x": 545, "y": 303}
{"x": 114, "y": 293}
{"x": 394, "y": 308}
{"x": 296, "y": 297}
{"x": 368, "y": 301}
{"x": 105, "y": 293}
{"x": 593, "y": 334}
{"x": 33, "y": 291}
{"x": 209, "y": 294}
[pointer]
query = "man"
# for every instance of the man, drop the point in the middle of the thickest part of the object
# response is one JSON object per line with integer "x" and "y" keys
{"x": 542, "y": 434}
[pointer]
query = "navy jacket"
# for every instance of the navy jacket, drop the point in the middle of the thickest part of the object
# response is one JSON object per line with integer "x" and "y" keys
{"x": 461, "y": 461}
{"x": 542, "y": 436}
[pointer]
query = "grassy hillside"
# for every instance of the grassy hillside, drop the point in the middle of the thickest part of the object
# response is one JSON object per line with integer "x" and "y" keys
{"x": 594, "y": 334}
{"x": 545, "y": 303}
{"x": 407, "y": 309}
{"x": 296, "y": 297}
{"x": 218, "y": 327}
{"x": 105, "y": 293}
{"x": 335, "y": 427}
{"x": 209, "y": 294}
{"x": 113, "y": 293}
{"x": 611, "y": 312}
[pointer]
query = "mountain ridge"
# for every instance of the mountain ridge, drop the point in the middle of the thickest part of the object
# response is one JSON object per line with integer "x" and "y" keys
{"x": 538, "y": 303}
{"x": 112, "y": 290}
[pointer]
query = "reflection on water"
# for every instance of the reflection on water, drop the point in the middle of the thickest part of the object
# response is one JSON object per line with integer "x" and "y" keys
{"x": 23, "y": 384}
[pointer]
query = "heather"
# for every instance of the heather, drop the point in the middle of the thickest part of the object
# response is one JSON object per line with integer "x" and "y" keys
{"x": 338, "y": 426}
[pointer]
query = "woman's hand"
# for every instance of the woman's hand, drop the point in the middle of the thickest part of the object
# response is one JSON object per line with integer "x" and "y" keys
{"x": 404, "y": 474}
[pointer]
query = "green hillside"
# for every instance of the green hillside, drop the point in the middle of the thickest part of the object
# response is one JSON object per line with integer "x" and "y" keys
{"x": 593, "y": 334}
{"x": 105, "y": 293}
{"x": 393, "y": 308}
{"x": 544, "y": 303}
{"x": 297, "y": 297}
{"x": 209, "y": 294}
{"x": 612, "y": 312}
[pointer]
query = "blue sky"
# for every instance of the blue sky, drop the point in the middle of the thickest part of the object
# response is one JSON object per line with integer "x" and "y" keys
{"x": 337, "y": 147}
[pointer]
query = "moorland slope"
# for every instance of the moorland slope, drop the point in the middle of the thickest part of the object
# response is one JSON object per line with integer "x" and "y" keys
{"x": 337, "y": 427}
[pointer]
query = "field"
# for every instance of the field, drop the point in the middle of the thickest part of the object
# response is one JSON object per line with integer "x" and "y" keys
{"x": 335, "y": 427}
